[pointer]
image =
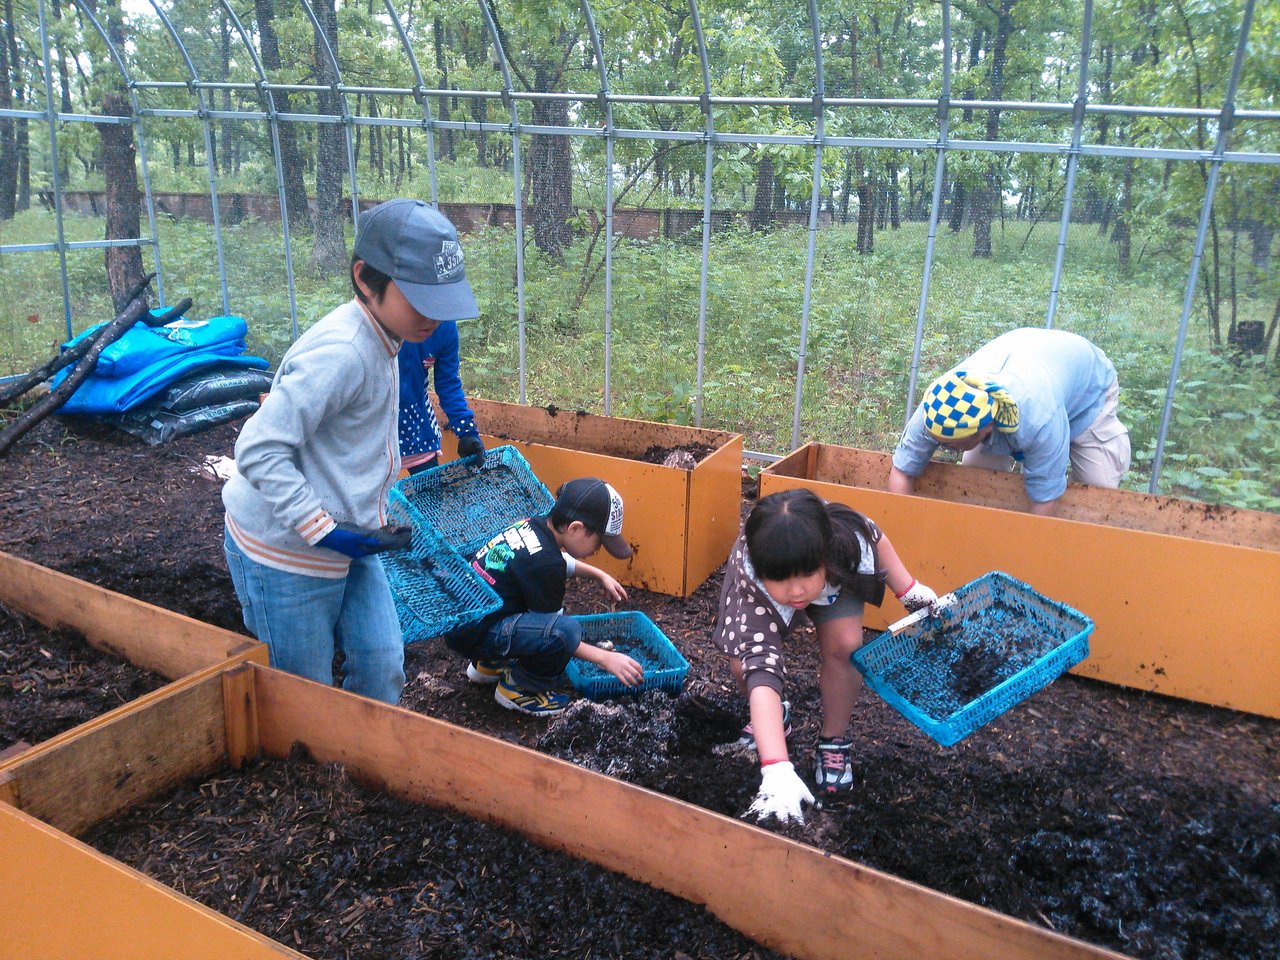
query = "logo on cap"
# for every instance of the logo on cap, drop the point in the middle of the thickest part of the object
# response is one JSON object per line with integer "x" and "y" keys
{"x": 449, "y": 262}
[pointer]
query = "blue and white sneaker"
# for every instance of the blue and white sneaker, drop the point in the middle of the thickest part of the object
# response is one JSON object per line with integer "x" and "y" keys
{"x": 543, "y": 703}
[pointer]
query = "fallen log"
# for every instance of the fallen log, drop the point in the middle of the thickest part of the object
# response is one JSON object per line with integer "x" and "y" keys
{"x": 59, "y": 395}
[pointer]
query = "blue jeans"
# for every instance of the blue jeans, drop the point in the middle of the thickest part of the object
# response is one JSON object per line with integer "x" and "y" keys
{"x": 539, "y": 646}
{"x": 302, "y": 620}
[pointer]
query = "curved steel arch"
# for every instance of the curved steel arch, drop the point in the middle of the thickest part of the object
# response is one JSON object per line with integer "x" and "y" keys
{"x": 418, "y": 88}
{"x": 274, "y": 126}
{"x": 708, "y": 163}
{"x": 136, "y": 122}
{"x": 515, "y": 173}
{"x": 195, "y": 86}
{"x": 607, "y": 107}
{"x": 338, "y": 92}
{"x": 819, "y": 110}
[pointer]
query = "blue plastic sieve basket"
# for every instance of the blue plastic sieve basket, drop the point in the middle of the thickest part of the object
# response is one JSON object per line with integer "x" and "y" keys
{"x": 997, "y": 644}
{"x": 637, "y": 636}
{"x": 468, "y": 505}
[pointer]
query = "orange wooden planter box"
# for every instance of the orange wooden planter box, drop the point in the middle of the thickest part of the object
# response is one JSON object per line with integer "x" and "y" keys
{"x": 680, "y": 522}
{"x": 149, "y": 637}
{"x": 1185, "y": 595}
{"x": 59, "y": 898}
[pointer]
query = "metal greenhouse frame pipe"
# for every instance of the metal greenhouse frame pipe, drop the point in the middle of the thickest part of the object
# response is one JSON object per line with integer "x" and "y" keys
{"x": 1073, "y": 159}
{"x": 194, "y": 86}
{"x": 819, "y": 111}
{"x": 55, "y": 169}
{"x": 509, "y": 100}
{"x": 1211, "y": 186}
{"x": 708, "y": 163}
{"x": 274, "y": 128}
{"x": 418, "y": 93}
{"x": 935, "y": 207}
{"x": 345, "y": 119}
{"x": 607, "y": 106}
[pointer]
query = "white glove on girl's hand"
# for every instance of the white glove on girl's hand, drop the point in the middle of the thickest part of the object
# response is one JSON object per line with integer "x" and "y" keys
{"x": 782, "y": 794}
{"x": 918, "y": 595}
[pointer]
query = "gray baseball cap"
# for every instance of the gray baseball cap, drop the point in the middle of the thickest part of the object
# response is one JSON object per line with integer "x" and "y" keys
{"x": 415, "y": 244}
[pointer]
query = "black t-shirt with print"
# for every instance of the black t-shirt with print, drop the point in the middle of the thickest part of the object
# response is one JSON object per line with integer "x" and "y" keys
{"x": 527, "y": 571}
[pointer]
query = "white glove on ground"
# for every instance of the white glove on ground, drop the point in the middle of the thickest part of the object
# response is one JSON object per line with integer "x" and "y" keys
{"x": 918, "y": 595}
{"x": 782, "y": 794}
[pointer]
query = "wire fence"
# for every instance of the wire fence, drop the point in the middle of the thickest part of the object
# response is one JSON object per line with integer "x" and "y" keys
{"x": 687, "y": 129}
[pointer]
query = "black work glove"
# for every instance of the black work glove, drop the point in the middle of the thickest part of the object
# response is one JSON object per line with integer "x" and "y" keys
{"x": 356, "y": 542}
{"x": 469, "y": 442}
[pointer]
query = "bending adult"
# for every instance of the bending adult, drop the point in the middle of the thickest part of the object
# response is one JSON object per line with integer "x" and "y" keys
{"x": 1045, "y": 399}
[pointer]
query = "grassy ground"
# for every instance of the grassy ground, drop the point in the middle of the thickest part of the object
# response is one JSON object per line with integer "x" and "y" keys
{"x": 1224, "y": 442}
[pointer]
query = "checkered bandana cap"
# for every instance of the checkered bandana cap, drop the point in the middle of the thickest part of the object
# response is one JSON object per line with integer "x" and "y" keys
{"x": 958, "y": 404}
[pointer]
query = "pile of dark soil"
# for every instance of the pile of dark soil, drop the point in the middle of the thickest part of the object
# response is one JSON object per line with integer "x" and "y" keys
{"x": 1133, "y": 821}
{"x": 51, "y": 681}
{"x": 304, "y": 855}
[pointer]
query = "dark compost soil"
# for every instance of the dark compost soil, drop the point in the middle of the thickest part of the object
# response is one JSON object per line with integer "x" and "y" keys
{"x": 1133, "y": 821}
{"x": 375, "y": 877}
{"x": 51, "y": 681}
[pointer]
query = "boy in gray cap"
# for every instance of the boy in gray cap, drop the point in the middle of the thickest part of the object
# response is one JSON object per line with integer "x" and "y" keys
{"x": 306, "y": 510}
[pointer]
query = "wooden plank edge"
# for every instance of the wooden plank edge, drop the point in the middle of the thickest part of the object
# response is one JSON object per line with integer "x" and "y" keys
{"x": 110, "y": 621}
{"x": 783, "y": 894}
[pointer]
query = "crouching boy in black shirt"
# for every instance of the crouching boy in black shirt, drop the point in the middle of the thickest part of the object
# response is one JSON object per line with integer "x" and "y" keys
{"x": 524, "y": 647}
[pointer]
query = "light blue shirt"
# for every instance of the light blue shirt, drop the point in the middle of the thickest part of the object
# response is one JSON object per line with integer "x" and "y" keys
{"x": 1059, "y": 381}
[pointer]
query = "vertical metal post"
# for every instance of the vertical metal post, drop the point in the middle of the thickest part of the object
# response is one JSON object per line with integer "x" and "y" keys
{"x": 207, "y": 126}
{"x": 819, "y": 110}
{"x": 273, "y": 124}
{"x": 1073, "y": 160}
{"x": 708, "y": 162}
{"x": 516, "y": 174}
{"x": 136, "y": 123}
{"x": 418, "y": 86}
{"x": 55, "y": 172}
{"x": 1206, "y": 210}
{"x": 935, "y": 207}
{"x": 606, "y": 106}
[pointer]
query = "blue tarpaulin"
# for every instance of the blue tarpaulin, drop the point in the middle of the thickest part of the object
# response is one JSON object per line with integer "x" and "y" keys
{"x": 146, "y": 359}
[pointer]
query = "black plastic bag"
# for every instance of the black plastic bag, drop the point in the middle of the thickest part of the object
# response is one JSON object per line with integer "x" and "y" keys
{"x": 161, "y": 426}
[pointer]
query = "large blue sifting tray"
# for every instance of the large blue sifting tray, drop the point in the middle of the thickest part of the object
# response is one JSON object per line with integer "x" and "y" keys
{"x": 637, "y": 636}
{"x": 1000, "y": 642}
{"x": 468, "y": 505}
{"x": 435, "y": 589}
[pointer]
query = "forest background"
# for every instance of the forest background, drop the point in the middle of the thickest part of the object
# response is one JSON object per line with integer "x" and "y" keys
{"x": 1126, "y": 263}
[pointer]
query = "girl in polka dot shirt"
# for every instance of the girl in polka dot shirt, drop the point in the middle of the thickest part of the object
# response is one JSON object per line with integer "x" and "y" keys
{"x": 798, "y": 552}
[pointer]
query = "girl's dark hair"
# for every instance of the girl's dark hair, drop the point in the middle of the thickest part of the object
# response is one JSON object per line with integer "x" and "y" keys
{"x": 371, "y": 277}
{"x": 794, "y": 533}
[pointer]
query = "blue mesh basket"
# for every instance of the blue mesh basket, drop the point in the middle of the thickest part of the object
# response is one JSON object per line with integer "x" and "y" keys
{"x": 1000, "y": 642}
{"x": 637, "y": 636}
{"x": 435, "y": 589}
{"x": 469, "y": 505}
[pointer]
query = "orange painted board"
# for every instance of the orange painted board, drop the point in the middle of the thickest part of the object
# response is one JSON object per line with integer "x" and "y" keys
{"x": 1174, "y": 615}
{"x": 785, "y": 895}
{"x": 147, "y": 636}
{"x": 62, "y": 900}
{"x": 680, "y": 522}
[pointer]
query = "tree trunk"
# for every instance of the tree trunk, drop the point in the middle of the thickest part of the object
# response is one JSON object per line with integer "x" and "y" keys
{"x": 1123, "y": 233}
{"x": 295, "y": 189}
{"x": 895, "y": 221}
{"x": 329, "y": 253}
{"x": 446, "y": 136}
{"x": 762, "y": 208}
{"x": 8, "y": 139}
{"x": 552, "y": 169}
{"x": 990, "y": 193}
{"x": 120, "y": 181}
